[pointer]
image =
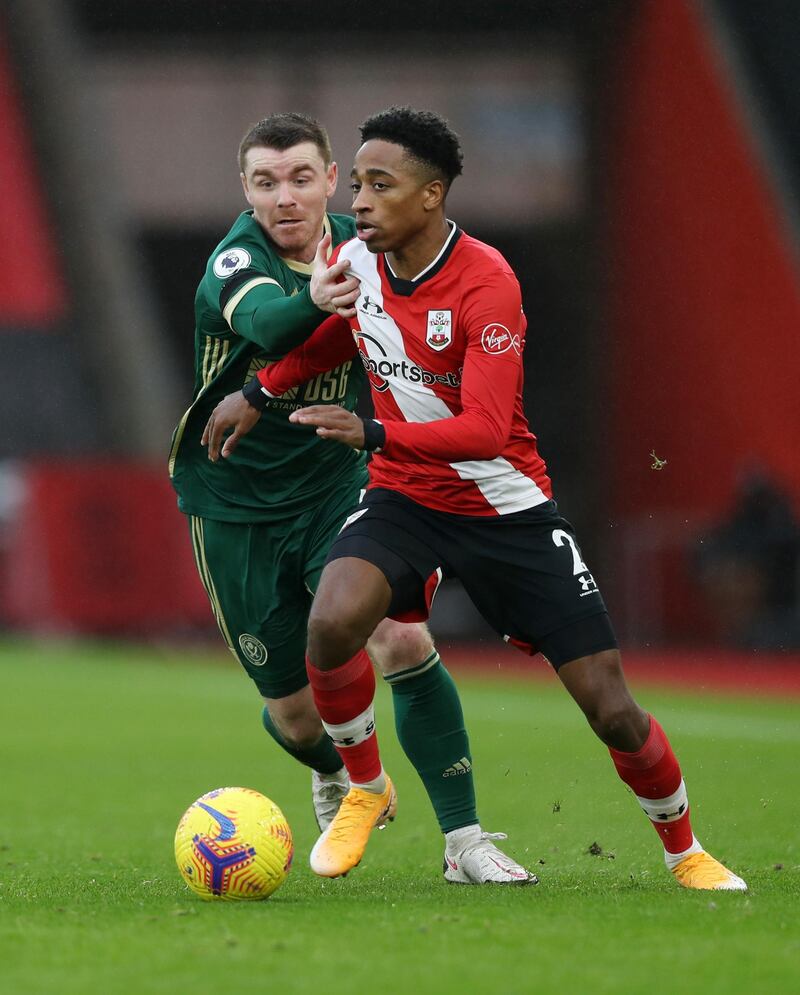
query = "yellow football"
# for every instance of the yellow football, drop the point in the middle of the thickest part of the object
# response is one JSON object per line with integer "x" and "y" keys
{"x": 233, "y": 843}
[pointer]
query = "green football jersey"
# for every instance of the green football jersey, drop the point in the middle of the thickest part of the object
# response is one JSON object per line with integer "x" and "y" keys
{"x": 278, "y": 468}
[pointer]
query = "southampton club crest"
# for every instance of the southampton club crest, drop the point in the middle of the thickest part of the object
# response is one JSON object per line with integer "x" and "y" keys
{"x": 440, "y": 329}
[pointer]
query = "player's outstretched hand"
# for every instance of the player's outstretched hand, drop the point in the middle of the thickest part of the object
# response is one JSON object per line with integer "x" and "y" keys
{"x": 332, "y": 423}
{"x": 330, "y": 289}
{"x": 233, "y": 412}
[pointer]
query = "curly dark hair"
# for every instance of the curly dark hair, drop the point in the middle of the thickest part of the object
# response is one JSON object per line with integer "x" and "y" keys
{"x": 425, "y": 136}
{"x": 283, "y": 131}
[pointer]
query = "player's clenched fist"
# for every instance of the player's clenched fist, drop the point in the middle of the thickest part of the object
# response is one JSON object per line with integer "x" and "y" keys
{"x": 332, "y": 423}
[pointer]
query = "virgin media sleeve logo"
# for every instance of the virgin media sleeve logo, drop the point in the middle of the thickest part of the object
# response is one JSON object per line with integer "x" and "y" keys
{"x": 496, "y": 339}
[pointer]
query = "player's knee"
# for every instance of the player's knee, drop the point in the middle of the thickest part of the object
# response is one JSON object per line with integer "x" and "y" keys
{"x": 332, "y": 633}
{"x": 301, "y": 729}
{"x": 618, "y": 721}
{"x": 396, "y": 646}
{"x": 614, "y": 720}
{"x": 303, "y": 737}
{"x": 606, "y": 701}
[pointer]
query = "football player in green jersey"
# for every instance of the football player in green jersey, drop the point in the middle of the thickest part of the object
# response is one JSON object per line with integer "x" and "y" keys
{"x": 262, "y": 521}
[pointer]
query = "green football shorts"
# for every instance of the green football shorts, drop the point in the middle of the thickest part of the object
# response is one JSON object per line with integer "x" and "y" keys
{"x": 260, "y": 579}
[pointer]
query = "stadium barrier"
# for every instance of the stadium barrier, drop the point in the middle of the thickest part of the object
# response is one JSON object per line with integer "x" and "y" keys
{"x": 98, "y": 547}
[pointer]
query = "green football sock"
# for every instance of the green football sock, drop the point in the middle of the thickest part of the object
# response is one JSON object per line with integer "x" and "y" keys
{"x": 321, "y": 757}
{"x": 430, "y": 727}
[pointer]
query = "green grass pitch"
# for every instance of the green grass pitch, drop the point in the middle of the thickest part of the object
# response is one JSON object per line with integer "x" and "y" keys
{"x": 102, "y": 748}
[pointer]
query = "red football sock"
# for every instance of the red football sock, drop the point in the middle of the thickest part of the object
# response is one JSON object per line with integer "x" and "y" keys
{"x": 344, "y": 699}
{"x": 654, "y": 776}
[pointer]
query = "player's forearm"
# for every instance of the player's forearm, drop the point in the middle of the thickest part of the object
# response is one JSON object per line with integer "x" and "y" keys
{"x": 480, "y": 431}
{"x": 330, "y": 345}
{"x": 472, "y": 435}
{"x": 273, "y": 321}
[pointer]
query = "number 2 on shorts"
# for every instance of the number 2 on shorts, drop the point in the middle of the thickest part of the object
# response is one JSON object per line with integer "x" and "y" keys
{"x": 559, "y": 538}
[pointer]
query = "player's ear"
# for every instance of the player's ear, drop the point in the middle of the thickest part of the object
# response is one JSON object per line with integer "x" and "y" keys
{"x": 246, "y": 189}
{"x": 331, "y": 179}
{"x": 433, "y": 195}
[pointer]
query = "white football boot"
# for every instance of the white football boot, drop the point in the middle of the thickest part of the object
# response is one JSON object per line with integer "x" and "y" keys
{"x": 327, "y": 792}
{"x": 470, "y": 857}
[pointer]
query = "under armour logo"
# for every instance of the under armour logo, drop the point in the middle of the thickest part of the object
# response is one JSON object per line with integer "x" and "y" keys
{"x": 370, "y": 307}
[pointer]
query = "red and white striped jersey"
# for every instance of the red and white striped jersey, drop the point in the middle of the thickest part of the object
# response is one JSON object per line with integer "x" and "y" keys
{"x": 443, "y": 354}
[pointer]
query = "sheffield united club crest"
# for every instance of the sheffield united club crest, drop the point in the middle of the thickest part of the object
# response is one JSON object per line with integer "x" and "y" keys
{"x": 440, "y": 330}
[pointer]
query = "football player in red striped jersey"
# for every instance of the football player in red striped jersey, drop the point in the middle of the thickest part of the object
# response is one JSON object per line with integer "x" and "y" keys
{"x": 457, "y": 488}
